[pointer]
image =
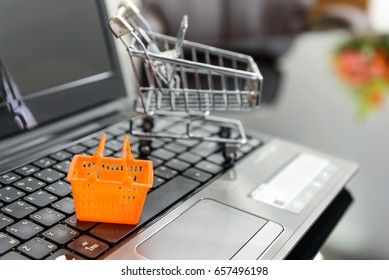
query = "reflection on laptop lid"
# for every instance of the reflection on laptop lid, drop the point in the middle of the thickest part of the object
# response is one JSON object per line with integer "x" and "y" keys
{"x": 61, "y": 81}
{"x": 57, "y": 59}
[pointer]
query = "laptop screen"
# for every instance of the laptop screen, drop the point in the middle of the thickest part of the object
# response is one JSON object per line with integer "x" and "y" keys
{"x": 56, "y": 59}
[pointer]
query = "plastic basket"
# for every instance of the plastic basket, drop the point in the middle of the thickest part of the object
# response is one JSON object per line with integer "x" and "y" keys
{"x": 111, "y": 190}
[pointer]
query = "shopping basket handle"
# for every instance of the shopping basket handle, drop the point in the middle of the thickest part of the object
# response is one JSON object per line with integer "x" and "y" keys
{"x": 100, "y": 149}
{"x": 126, "y": 150}
{"x": 119, "y": 25}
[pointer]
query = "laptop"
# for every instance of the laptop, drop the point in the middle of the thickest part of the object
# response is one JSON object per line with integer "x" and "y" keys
{"x": 62, "y": 88}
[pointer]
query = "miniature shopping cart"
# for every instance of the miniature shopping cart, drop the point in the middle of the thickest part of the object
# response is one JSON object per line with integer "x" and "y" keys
{"x": 186, "y": 80}
{"x": 111, "y": 190}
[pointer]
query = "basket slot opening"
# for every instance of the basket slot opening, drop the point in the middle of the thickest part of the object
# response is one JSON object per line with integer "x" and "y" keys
{"x": 135, "y": 178}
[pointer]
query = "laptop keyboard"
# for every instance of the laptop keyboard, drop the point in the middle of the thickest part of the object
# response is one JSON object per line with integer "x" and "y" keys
{"x": 37, "y": 219}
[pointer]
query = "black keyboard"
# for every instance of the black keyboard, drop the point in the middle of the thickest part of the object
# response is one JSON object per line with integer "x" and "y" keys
{"x": 37, "y": 219}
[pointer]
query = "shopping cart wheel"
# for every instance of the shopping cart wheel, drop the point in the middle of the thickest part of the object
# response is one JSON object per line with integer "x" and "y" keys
{"x": 230, "y": 152}
{"x": 148, "y": 124}
{"x": 144, "y": 148}
{"x": 225, "y": 132}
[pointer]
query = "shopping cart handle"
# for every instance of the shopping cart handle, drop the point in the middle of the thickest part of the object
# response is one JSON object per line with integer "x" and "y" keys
{"x": 181, "y": 34}
{"x": 118, "y": 24}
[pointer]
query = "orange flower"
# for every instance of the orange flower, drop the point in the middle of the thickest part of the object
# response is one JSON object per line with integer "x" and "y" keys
{"x": 363, "y": 63}
{"x": 352, "y": 66}
{"x": 375, "y": 98}
{"x": 377, "y": 66}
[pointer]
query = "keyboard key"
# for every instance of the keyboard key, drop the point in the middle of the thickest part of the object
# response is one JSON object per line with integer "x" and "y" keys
{"x": 197, "y": 175}
{"x": 76, "y": 149}
{"x": 156, "y": 161}
{"x": 9, "y": 178}
{"x": 88, "y": 246}
{"x": 177, "y": 164}
{"x": 18, "y": 209}
{"x": 135, "y": 147}
{"x": 175, "y": 148}
{"x": 111, "y": 233}
{"x": 107, "y": 137}
{"x": 61, "y": 156}
{"x": 65, "y": 205}
{"x": 7, "y": 242}
{"x": 49, "y": 175}
{"x": 59, "y": 188}
{"x": 80, "y": 225}
{"x": 189, "y": 157}
{"x": 40, "y": 198}
{"x": 188, "y": 142}
{"x": 163, "y": 154}
{"x": 218, "y": 159}
{"x": 13, "y": 256}
{"x": 44, "y": 162}
{"x": 201, "y": 132}
{"x": 117, "y": 131}
{"x": 157, "y": 182}
{"x": 165, "y": 172}
{"x": 133, "y": 139}
{"x": 209, "y": 167}
{"x": 60, "y": 234}
{"x": 29, "y": 184}
{"x": 177, "y": 129}
{"x": 114, "y": 145}
{"x": 5, "y": 221}
{"x": 107, "y": 152}
{"x": 24, "y": 229}
{"x": 37, "y": 248}
{"x": 163, "y": 123}
{"x": 27, "y": 170}
{"x": 62, "y": 166}
{"x": 91, "y": 143}
{"x": 211, "y": 128}
{"x": 156, "y": 144}
{"x": 204, "y": 149}
{"x": 64, "y": 255}
{"x": 47, "y": 217}
{"x": 166, "y": 195}
{"x": 9, "y": 194}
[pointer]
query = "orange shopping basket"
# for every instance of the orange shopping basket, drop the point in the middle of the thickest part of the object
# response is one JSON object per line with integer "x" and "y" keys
{"x": 111, "y": 190}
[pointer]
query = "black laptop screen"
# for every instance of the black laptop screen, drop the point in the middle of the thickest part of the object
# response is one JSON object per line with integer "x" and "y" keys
{"x": 56, "y": 59}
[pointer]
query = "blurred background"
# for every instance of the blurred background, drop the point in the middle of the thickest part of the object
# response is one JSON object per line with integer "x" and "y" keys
{"x": 326, "y": 81}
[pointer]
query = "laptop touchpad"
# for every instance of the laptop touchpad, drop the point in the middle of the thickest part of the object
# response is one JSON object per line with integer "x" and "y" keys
{"x": 207, "y": 230}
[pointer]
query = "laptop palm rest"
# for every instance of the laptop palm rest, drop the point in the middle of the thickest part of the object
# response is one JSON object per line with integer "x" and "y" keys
{"x": 207, "y": 230}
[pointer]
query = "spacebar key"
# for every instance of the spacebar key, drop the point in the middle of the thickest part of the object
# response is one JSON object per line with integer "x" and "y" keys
{"x": 166, "y": 195}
